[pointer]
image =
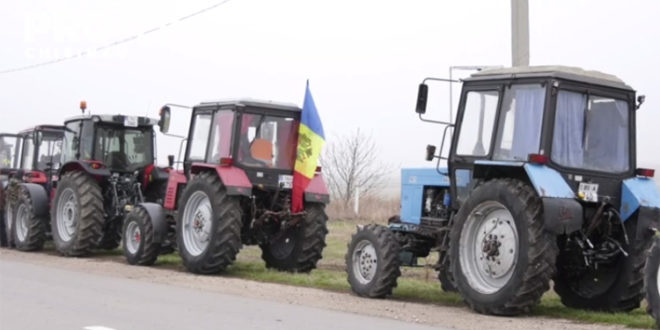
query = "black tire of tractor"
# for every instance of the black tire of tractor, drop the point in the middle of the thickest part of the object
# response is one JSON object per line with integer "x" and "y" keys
{"x": 111, "y": 236}
{"x": 225, "y": 233}
{"x": 148, "y": 251}
{"x": 89, "y": 214}
{"x": 387, "y": 262}
{"x": 9, "y": 214}
{"x": 307, "y": 241}
{"x": 537, "y": 250}
{"x": 4, "y": 239}
{"x": 651, "y": 280}
{"x": 35, "y": 228}
{"x": 626, "y": 291}
{"x": 446, "y": 278}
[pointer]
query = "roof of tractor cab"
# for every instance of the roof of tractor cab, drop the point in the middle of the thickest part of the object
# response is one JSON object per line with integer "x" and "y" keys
{"x": 58, "y": 128}
{"x": 115, "y": 119}
{"x": 552, "y": 71}
{"x": 253, "y": 103}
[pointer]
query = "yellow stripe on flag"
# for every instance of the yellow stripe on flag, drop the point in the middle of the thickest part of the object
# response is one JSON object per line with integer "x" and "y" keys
{"x": 309, "y": 149}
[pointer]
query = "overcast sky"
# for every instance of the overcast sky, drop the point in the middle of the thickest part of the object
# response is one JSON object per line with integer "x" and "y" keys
{"x": 364, "y": 59}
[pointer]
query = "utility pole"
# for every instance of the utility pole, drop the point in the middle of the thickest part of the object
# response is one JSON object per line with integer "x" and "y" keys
{"x": 520, "y": 32}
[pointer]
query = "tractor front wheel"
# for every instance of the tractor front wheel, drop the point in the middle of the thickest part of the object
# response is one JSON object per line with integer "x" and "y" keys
{"x": 77, "y": 214}
{"x": 29, "y": 230}
{"x": 208, "y": 225}
{"x": 501, "y": 258}
{"x": 652, "y": 278}
{"x": 138, "y": 241}
{"x": 298, "y": 249}
{"x": 372, "y": 261}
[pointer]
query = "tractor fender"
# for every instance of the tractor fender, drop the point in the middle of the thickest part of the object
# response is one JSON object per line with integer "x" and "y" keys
{"x": 317, "y": 191}
{"x": 157, "y": 218}
{"x": 638, "y": 192}
{"x": 79, "y": 165}
{"x": 39, "y": 198}
{"x": 233, "y": 178}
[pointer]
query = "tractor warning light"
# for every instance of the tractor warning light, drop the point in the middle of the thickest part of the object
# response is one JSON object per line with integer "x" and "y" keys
{"x": 538, "y": 159}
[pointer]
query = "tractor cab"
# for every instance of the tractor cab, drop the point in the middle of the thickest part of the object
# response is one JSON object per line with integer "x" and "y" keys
{"x": 258, "y": 137}
{"x": 40, "y": 152}
{"x": 120, "y": 144}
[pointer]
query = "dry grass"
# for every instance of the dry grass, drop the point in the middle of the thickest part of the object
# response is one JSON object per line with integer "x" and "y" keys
{"x": 372, "y": 209}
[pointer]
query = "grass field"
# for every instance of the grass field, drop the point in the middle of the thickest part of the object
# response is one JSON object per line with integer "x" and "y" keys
{"x": 416, "y": 284}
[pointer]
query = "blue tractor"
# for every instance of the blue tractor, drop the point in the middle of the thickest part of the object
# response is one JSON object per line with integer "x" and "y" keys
{"x": 541, "y": 184}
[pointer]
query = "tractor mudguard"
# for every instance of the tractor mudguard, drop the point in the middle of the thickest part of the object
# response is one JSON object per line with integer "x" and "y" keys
{"x": 80, "y": 165}
{"x": 317, "y": 191}
{"x": 562, "y": 215}
{"x": 39, "y": 198}
{"x": 638, "y": 192}
{"x": 157, "y": 218}
{"x": 233, "y": 178}
{"x": 175, "y": 179}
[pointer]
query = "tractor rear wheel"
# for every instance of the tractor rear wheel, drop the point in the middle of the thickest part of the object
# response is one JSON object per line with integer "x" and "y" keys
{"x": 208, "y": 225}
{"x": 617, "y": 287}
{"x": 138, "y": 240}
{"x": 299, "y": 248}
{"x": 77, "y": 214}
{"x": 29, "y": 229}
{"x": 653, "y": 282}
{"x": 372, "y": 261}
{"x": 9, "y": 216}
{"x": 501, "y": 258}
{"x": 445, "y": 277}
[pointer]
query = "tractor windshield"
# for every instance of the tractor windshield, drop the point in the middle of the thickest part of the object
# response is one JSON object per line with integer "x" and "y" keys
{"x": 49, "y": 151}
{"x": 124, "y": 149}
{"x": 591, "y": 132}
{"x": 267, "y": 141}
{"x": 8, "y": 148}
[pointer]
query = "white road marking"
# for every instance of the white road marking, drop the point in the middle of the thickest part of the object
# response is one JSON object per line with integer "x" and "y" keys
{"x": 97, "y": 327}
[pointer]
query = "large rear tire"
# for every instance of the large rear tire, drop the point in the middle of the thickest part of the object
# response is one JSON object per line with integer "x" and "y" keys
{"x": 372, "y": 261}
{"x": 28, "y": 229}
{"x": 77, "y": 214}
{"x": 208, "y": 225}
{"x": 652, "y": 278}
{"x": 138, "y": 238}
{"x": 501, "y": 258}
{"x": 618, "y": 287}
{"x": 301, "y": 247}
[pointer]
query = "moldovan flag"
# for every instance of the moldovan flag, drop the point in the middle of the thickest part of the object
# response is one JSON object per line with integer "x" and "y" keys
{"x": 310, "y": 142}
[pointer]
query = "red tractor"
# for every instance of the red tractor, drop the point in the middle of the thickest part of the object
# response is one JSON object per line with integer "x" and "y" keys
{"x": 32, "y": 158}
{"x": 235, "y": 188}
{"x": 107, "y": 167}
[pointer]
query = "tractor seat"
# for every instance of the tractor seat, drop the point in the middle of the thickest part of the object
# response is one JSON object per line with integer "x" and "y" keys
{"x": 117, "y": 160}
{"x": 262, "y": 149}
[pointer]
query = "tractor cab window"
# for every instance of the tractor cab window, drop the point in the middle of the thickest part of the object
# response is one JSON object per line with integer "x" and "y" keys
{"x": 199, "y": 138}
{"x": 223, "y": 121}
{"x": 49, "y": 150}
{"x": 478, "y": 121}
{"x": 267, "y": 141}
{"x": 71, "y": 141}
{"x": 27, "y": 159}
{"x": 591, "y": 132}
{"x": 8, "y": 148}
{"x": 519, "y": 131}
{"x": 124, "y": 149}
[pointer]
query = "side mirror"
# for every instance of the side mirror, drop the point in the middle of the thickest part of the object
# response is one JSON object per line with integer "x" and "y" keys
{"x": 640, "y": 100}
{"x": 164, "y": 122}
{"x": 422, "y": 95}
{"x": 170, "y": 161}
{"x": 430, "y": 152}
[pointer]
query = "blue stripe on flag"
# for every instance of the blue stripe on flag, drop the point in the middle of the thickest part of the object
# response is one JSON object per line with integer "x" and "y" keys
{"x": 310, "y": 116}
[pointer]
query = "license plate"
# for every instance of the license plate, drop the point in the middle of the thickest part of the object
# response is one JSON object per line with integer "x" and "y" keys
{"x": 130, "y": 121}
{"x": 286, "y": 181}
{"x": 589, "y": 191}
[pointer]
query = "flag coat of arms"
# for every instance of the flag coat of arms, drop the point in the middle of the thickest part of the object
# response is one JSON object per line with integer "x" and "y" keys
{"x": 310, "y": 141}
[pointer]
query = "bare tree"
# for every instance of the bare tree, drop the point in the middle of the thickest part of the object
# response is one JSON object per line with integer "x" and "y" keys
{"x": 351, "y": 162}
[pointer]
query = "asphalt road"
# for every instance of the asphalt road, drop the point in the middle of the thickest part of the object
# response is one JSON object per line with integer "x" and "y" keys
{"x": 39, "y": 297}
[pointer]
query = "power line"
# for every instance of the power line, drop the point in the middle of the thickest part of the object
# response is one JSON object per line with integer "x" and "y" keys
{"x": 114, "y": 43}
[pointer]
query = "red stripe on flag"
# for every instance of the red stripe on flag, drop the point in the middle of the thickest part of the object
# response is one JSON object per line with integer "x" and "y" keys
{"x": 300, "y": 183}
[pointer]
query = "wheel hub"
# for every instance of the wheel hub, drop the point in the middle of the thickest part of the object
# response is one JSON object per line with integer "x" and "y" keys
{"x": 365, "y": 261}
{"x": 197, "y": 217}
{"x": 66, "y": 214}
